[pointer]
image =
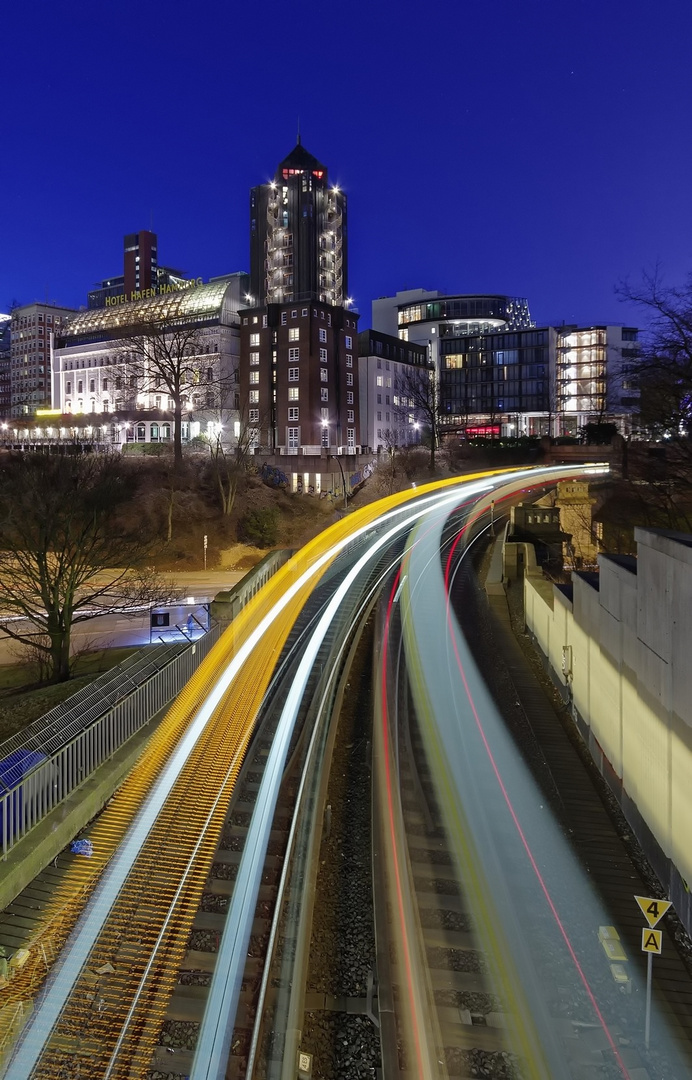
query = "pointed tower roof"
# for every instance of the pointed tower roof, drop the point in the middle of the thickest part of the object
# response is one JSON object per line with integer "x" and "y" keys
{"x": 300, "y": 160}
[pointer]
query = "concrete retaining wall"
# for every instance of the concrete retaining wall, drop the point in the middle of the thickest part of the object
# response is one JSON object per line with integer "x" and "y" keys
{"x": 619, "y": 648}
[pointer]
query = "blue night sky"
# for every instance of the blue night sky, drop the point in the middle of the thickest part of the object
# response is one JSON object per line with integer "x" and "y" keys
{"x": 540, "y": 149}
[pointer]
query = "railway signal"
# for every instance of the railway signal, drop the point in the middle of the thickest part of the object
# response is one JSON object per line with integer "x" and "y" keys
{"x": 653, "y": 911}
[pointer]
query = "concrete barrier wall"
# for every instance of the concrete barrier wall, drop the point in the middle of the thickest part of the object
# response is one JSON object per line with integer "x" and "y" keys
{"x": 630, "y": 633}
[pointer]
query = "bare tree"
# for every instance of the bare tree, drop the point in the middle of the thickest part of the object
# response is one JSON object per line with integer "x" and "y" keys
{"x": 663, "y": 369}
{"x": 62, "y": 531}
{"x": 230, "y": 454}
{"x": 419, "y": 386}
{"x": 169, "y": 360}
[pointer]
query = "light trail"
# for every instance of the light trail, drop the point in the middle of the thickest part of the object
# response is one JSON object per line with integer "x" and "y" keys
{"x": 217, "y": 1026}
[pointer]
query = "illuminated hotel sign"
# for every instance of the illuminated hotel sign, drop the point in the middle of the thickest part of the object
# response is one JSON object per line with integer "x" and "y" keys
{"x": 146, "y": 294}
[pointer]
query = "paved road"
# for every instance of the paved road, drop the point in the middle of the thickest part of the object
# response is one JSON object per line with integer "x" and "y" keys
{"x": 108, "y": 631}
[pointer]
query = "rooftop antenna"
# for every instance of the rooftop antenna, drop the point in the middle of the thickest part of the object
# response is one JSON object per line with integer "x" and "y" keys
{"x": 298, "y": 131}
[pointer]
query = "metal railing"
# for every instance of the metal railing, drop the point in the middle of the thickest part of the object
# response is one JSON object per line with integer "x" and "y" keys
{"x": 42, "y": 765}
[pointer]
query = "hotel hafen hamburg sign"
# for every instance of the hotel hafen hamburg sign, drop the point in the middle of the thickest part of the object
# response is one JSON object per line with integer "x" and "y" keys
{"x": 145, "y": 294}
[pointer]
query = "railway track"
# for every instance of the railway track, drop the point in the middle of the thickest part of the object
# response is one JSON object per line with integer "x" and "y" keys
{"x": 429, "y": 935}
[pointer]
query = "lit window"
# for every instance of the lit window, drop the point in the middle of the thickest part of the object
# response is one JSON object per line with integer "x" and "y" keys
{"x": 324, "y": 415}
{"x": 254, "y": 358}
{"x": 323, "y": 374}
{"x": 379, "y": 380}
{"x": 254, "y": 397}
{"x": 349, "y": 341}
{"x": 254, "y": 339}
{"x": 324, "y": 394}
{"x": 294, "y": 333}
{"x": 293, "y": 412}
{"x": 254, "y": 376}
{"x": 323, "y": 334}
{"x": 293, "y": 393}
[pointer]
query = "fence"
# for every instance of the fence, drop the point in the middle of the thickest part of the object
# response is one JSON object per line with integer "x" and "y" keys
{"x": 42, "y": 765}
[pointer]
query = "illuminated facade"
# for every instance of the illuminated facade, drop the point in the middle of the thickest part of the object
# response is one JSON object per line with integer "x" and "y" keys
{"x": 299, "y": 347}
{"x": 298, "y": 237}
{"x": 389, "y": 370}
{"x": 593, "y": 376}
{"x": 543, "y": 381}
{"x": 142, "y": 276}
{"x": 299, "y": 377}
{"x": 90, "y": 366}
{"x": 33, "y": 330}
{"x": 5, "y": 363}
{"x": 426, "y": 318}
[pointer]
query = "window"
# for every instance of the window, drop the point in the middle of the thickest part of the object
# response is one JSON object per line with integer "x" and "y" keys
{"x": 294, "y": 314}
{"x": 293, "y": 374}
{"x": 379, "y": 414}
{"x": 254, "y": 377}
{"x": 92, "y": 386}
{"x": 253, "y": 415}
{"x": 304, "y": 312}
{"x": 349, "y": 397}
{"x": 294, "y": 333}
{"x": 254, "y": 358}
{"x": 293, "y": 393}
{"x": 324, "y": 415}
{"x": 386, "y": 364}
{"x": 323, "y": 333}
{"x": 323, "y": 356}
{"x": 105, "y": 384}
{"x": 294, "y": 354}
{"x": 349, "y": 378}
{"x": 254, "y": 339}
{"x": 324, "y": 394}
{"x": 68, "y": 388}
{"x": 351, "y": 437}
{"x": 350, "y": 416}
{"x": 284, "y": 318}
{"x": 349, "y": 341}
{"x": 292, "y": 438}
{"x": 323, "y": 374}
{"x": 80, "y": 387}
{"x": 293, "y": 412}
{"x": 389, "y": 381}
{"x": 325, "y": 435}
{"x": 254, "y": 397}
{"x": 349, "y": 360}
{"x": 264, "y": 325}
{"x": 379, "y": 399}
{"x": 379, "y": 380}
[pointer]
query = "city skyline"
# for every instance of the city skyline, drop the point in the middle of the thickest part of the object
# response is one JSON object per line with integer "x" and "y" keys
{"x": 528, "y": 151}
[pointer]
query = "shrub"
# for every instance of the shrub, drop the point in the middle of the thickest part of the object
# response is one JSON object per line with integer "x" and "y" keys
{"x": 260, "y": 527}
